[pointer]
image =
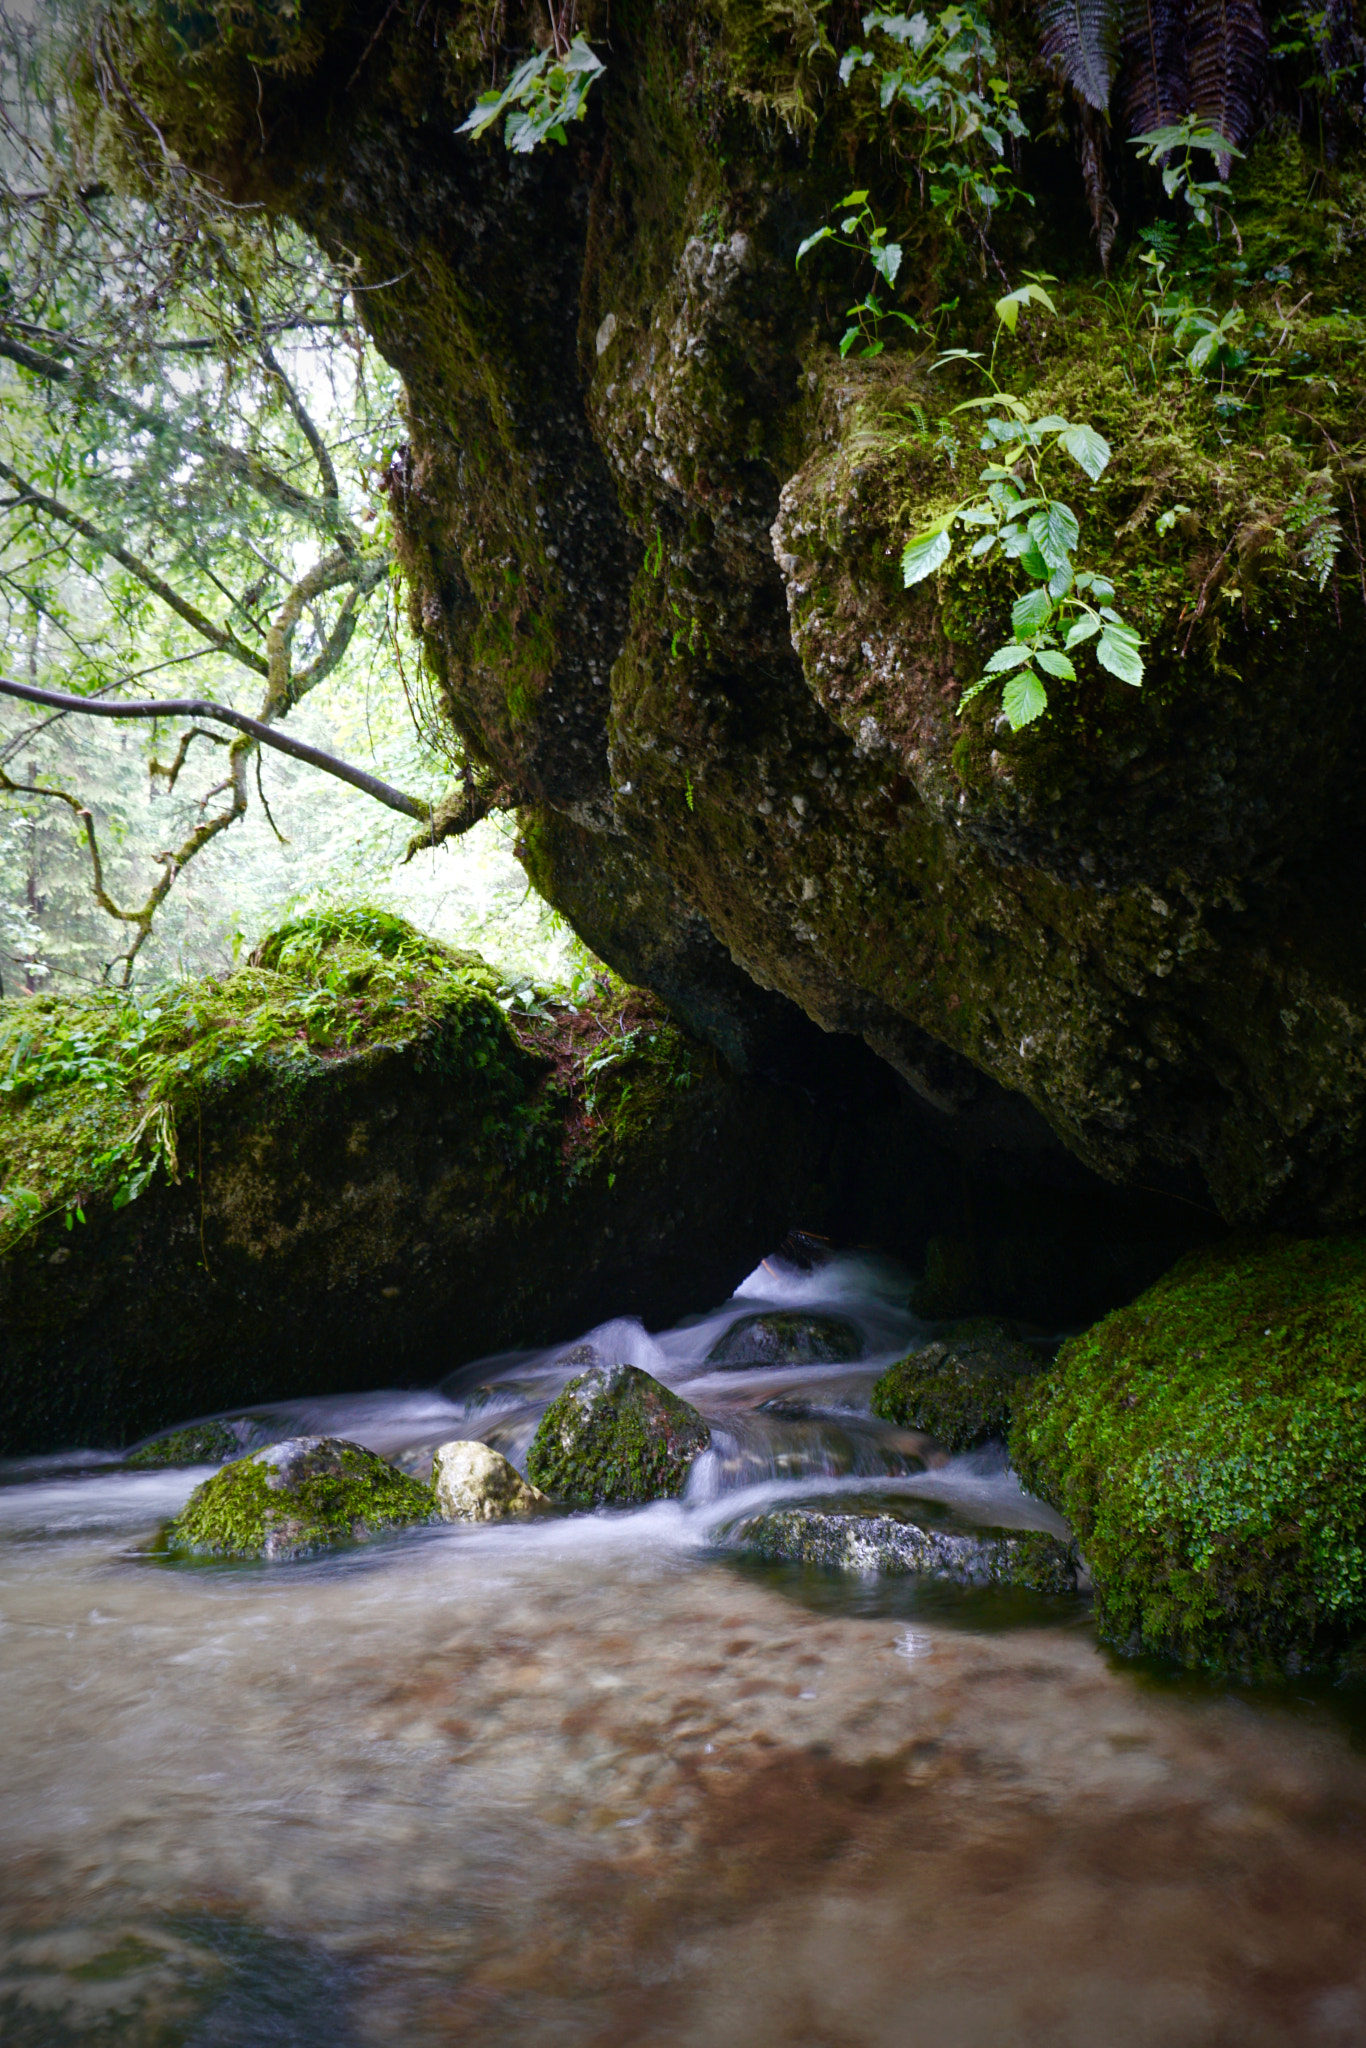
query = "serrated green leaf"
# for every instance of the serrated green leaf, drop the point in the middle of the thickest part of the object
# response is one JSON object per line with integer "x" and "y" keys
{"x": 1083, "y": 629}
{"x": 1023, "y": 699}
{"x": 924, "y": 554}
{"x": 1030, "y": 613}
{"x": 1120, "y": 656}
{"x": 982, "y": 547}
{"x": 1088, "y": 449}
{"x": 1008, "y": 657}
{"x": 1054, "y": 664}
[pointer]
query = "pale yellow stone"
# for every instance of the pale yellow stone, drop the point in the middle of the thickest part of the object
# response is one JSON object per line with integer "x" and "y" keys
{"x": 476, "y": 1484}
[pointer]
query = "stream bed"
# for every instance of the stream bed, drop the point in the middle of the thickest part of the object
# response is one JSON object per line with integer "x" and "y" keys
{"x": 600, "y": 1779}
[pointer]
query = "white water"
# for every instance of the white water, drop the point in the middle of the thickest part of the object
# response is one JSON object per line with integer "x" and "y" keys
{"x": 591, "y": 1781}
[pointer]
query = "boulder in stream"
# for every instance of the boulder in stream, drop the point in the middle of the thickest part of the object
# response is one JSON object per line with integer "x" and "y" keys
{"x": 616, "y": 1435}
{"x": 787, "y": 1337}
{"x": 1208, "y": 1445}
{"x": 210, "y": 1442}
{"x": 474, "y": 1483}
{"x": 961, "y": 1388}
{"x": 899, "y": 1538}
{"x": 305, "y": 1494}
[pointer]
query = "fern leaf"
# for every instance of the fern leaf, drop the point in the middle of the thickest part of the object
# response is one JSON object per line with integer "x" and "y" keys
{"x": 1226, "y": 47}
{"x": 1156, "y": 89}
{"x": 1082, "y": 38}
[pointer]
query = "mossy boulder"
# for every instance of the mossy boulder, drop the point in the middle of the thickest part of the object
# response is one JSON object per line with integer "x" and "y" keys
{"x": 348, "y": 1158}
{"x": 1208, "y": 1445}
{"x": 615, "y": 1435}
{"x": 787, "y": 1337}
{"x": 306, "y": 1494}
{"x": 961, "y": 1388}
{"x": 204, "y": 1443}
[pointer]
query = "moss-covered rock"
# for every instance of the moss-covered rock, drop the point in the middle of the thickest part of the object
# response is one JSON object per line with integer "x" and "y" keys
{"x": 1208, "y": 1444}
{"x": 306, "y": 1494}
{"x": 204, "y": 1443}
{"x": 349, "y": 1160}
{"x": 616, "y": 1435}
{"x": 787, "y": 1337}
{"x": 961, "y": 1389}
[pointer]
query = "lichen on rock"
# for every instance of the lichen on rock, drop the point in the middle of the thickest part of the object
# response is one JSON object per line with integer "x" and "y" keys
{"x": 305, "y": 1494}
{"x": 474, "y": 1483}
{"x": 961, "y": 1388}
{"x": 895, "y": 1540}
{"x": 615, "y": 1435}
{"x": 1208, "y": 1445}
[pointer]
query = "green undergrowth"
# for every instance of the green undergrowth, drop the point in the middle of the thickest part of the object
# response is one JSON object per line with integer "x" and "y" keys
{"x": 1208, "y": 1445}
{"x": 101, "y": 1091}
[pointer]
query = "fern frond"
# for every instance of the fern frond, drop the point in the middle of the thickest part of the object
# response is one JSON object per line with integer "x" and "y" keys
{"x": 1082, "y": 38}
{"x": 1226, "y": 47}
{"x": 1156, "y": 89}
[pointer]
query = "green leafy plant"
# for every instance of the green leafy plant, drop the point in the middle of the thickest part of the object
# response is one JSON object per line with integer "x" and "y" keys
{"x": 934, "y": 72}
{"x": 1174, "y": 147}
{"x": 858, "y": 230}
{"x": 540, "y": 99}
{"x": 1065, "y": 607}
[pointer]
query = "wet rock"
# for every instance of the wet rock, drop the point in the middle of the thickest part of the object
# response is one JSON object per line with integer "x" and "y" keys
{"x": 787, "y": 1337}
{"x": 1208, "y": 1444}
{"x": 900, "y": 1539}
{"x": 961, "y": 1388}
{"x": 474, "y": 1483}
{"x": 305, "y": 1494}
{"x": 615, "y": 1435}
{"x": 204, "y": 1443}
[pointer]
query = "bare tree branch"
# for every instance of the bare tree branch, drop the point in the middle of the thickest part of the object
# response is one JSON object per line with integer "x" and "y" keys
{"x": 217, "y": 636}
{"x": 253, "y": 728}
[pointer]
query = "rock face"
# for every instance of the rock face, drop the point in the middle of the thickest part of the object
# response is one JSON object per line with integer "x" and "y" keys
{"x": 1208, "y": 1445}
{"x": 473, "y": 1483}
{"x": 853, "y": 1539}
{"x": 616, "y": 1435}
{"x": 961, "y": 1389}
{"x": 306, "y": 1494}
{"x": 787, "y": 1337}
{"x": 651, "y": 521}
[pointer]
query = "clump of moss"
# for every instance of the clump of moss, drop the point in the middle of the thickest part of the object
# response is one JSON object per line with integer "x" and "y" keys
{"x": 203, "y": 1443}
{"x": 615, "y": 1435}
{"x": 787, "y": 1337}
{"x": 1208, "y": 1444}
{"x": 93, "y": 1087}
{"x": 961, "y": 1389}
{"x": 303, "y": 1495}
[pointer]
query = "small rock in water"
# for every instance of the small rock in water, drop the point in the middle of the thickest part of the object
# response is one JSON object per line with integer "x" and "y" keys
{"x": 476, "y": 1484}
{"x": 961, "y": 1389}
{"x": 616, "y": 1435}
{"x": 787, "y": 1337}
{"x": 203, "y": 1443}
{"x": 893, "y": 1546}
{"x": 305, "y": 1494}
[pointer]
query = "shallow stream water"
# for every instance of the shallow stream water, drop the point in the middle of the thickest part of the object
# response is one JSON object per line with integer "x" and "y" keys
{"x": 597, "y": 1781}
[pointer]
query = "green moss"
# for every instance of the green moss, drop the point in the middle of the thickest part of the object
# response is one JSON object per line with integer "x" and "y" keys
{"x": 202, "y": 1444}
{"x": 961, "y": 1390}
{"x": 787, "y": 1337}
{"x": 1208, "y": 1445}
{"x": 305, "y": 1495}
{"x": 97, "y": 1089}
{"x": 615, "y": 1435}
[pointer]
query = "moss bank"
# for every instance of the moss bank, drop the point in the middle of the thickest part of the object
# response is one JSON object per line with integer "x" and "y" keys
{"x": 1208, "y": 1445}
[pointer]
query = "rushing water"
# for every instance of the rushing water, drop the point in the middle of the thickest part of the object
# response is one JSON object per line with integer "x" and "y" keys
{"x": 595, "y": 1781}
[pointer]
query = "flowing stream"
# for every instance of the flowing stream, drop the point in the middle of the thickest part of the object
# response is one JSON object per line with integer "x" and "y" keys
{"x": 597, "y": 1780}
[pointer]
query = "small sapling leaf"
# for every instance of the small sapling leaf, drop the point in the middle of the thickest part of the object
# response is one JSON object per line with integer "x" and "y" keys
{"x": 925, "y": 553}
{"x": 1054, "y": 664}
{"x": 1088, "y": 449}
{"x": 1120, "y": 656}
{"x": 1008, "y": 657}
{"x": 1023, "y": 699}
{"x": 1030, "y": 614}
